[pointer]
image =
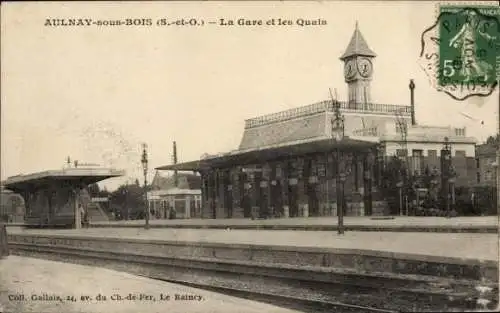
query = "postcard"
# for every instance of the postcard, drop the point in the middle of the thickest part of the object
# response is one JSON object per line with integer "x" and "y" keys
{"x": 249, "y": 156}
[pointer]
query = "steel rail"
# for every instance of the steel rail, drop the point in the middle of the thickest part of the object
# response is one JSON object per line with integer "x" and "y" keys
{"x": 313, "y": 303}
{"x": 303, "y": 304}
{"x": 310, "y": 305}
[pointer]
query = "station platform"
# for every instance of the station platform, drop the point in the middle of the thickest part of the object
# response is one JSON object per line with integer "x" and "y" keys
{"x": 49, "y": 286}
{"x": 426, "y": 246}
{"x": 476, "y": 224}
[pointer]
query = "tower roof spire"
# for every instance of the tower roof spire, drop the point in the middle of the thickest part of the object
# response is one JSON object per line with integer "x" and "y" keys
{"x": 357, "y": 46}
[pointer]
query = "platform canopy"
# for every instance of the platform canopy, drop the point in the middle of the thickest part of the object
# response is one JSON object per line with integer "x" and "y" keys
{"x": 74, "y": 176}
{"x": 243, "y": 157}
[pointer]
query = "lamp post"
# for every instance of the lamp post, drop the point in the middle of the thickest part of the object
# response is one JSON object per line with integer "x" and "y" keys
{"x": 337, "y": 136}
{"x": 400, "y": 180}
{"x": 126, "y": 211}
{"x": 497, "y": 180}
{"x": 399, "y": 185}
{"x": 446, "y": 166}
{"x": 368, "y": 177}
{"x": 434, "y": 185}
{"x": 451, "y": 181}
{"x": 144, "y": 161}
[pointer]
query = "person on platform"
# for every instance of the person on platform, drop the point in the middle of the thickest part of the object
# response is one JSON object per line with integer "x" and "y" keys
{"x": 82, "y": 215}
{"x": 4, "y": 247}
{"x": 86, "y": 219}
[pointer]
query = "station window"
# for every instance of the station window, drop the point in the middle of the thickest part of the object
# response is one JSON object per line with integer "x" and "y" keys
{"x": 460, "y": 153}
{"x": 417, "y": 156}
{"x": 417, "y": 153}
{"x": 314, "y": 168}
{"x": 460, "y": 132}
{"x": 401, "y": 152}
{"x": 300, "y": 167}
{"x": 291, "y": 168}
{"x": 279, "y": 172}
{"x": 266, "y": 172}
{"x": 432, "y": 153}
{"x": 321, "y": 170}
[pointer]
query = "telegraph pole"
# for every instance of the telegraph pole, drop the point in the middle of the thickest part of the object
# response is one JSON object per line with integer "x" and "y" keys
{"x": 337, "y": 136}
{"x": 144, "y": 161}
{"x": 174, "y": 161}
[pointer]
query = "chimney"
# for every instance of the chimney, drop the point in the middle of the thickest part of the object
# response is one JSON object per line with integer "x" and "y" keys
{"x": 174, "y": 161}
{"x": 412, "y": 102}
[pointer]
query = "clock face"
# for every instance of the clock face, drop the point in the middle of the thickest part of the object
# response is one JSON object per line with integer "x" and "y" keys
{"x": 350, "y": 69}
{"x": 365, "y": 67}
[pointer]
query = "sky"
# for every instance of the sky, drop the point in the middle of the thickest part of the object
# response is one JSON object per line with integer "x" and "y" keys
{"x": 95, "y": 93}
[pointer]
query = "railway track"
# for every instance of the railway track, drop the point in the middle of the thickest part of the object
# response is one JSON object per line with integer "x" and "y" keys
{"x": 290, "y": 293}
{"x": 295, "y": 302}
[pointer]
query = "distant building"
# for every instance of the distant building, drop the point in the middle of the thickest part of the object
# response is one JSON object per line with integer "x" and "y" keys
{"x": 181, "y": 194}
{"x": 486, "y": 164}
{"x": 422, "y": 148}
{"x": 184, "y": 181}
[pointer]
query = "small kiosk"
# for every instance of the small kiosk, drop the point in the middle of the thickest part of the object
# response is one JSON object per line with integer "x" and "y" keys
{"x": 57, "y": 198}
{"x": 186, "y": 203}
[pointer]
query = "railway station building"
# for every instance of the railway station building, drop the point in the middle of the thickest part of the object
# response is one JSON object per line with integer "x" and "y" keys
{"x": 294, "y": 163}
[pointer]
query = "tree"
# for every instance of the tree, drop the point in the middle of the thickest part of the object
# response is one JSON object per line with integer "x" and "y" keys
{"x": 394, "y": 177}
{"x": 128, "y": 201}
{"x": 493, "y": 140}
{"x": 104, "y": 194}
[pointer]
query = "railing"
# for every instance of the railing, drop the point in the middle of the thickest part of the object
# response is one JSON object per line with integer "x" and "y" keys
{"x": 286, "y": 115}
{"x": 327, "y": 106}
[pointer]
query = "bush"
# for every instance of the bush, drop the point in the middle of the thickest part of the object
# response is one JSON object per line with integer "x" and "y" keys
{"x": 486, "y": 200}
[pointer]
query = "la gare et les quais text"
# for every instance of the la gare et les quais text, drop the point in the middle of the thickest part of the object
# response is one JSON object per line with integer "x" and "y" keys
{"x": 271, "y": 22}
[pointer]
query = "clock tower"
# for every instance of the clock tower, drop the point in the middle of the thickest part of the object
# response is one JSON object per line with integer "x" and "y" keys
{"x": 358, "y": 70}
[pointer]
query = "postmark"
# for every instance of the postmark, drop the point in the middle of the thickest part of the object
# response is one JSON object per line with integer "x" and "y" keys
{"x": 460, "y": 52}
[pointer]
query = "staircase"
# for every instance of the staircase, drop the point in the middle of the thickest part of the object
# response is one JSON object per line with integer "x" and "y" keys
{"x": 96, "y": 213}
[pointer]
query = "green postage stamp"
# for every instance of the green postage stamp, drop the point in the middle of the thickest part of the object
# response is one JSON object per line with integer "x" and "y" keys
{"x": 461, "y": 51}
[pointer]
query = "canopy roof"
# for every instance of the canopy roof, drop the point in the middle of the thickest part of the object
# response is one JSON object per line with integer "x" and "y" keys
{"x": 242, "y": 157}
{"x": 72, "y": 176}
